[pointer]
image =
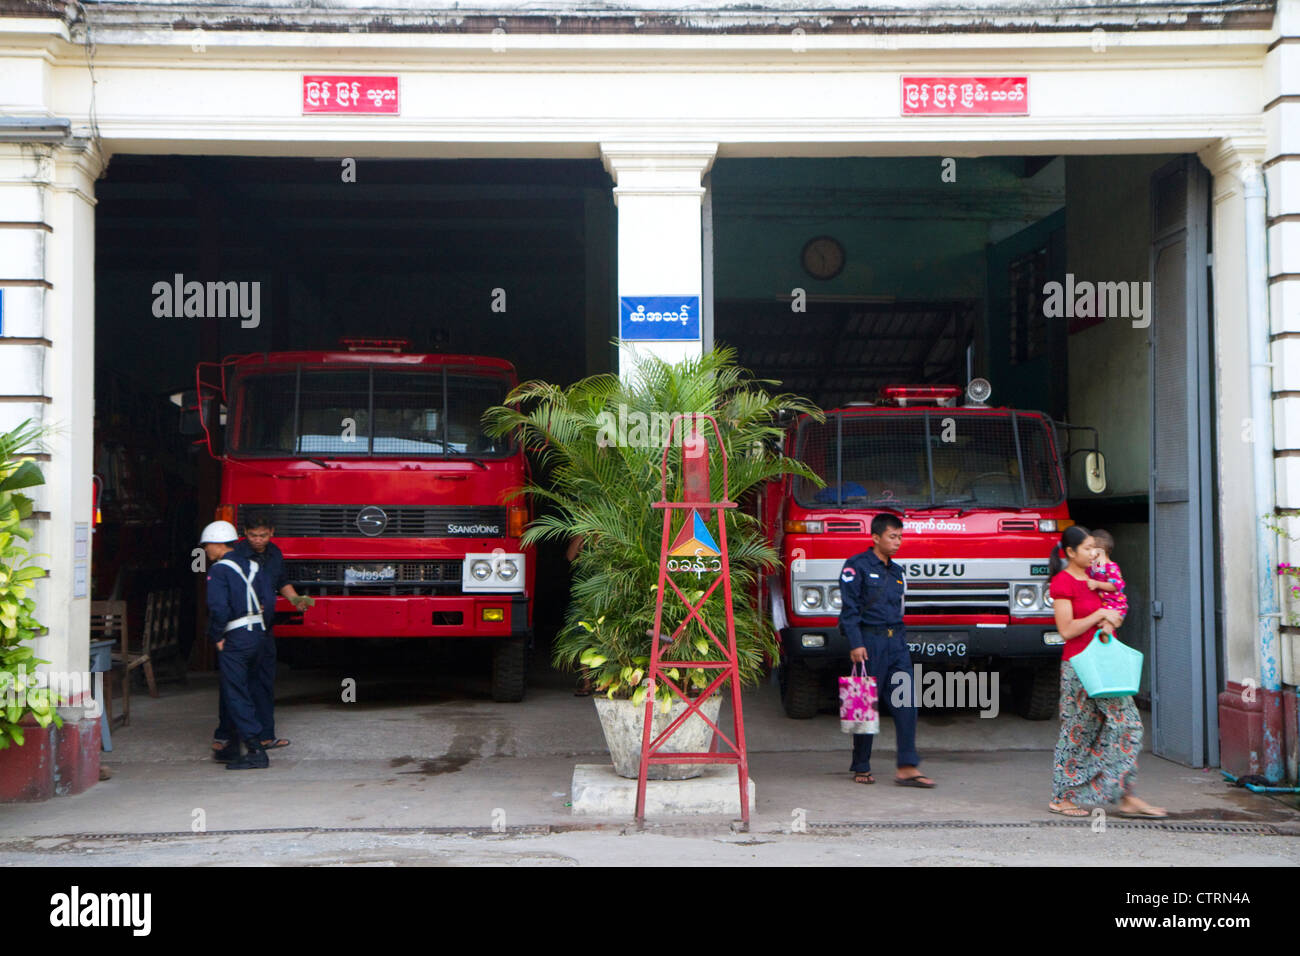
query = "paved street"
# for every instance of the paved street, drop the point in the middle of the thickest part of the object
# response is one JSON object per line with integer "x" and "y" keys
{"x": 420, "y": 769}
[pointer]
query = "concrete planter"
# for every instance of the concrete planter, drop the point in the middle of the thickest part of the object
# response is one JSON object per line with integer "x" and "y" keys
{"x": 27, "y": 772}
{"x": 623, "y": 723}
{"x": 53, "y": 761}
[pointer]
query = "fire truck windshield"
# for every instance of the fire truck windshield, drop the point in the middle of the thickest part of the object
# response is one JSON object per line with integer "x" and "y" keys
{"x": 929, "y": 458}
{"x": 365, "y": 411}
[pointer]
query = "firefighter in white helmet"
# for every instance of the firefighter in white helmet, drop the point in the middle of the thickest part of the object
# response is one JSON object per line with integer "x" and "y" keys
{"x": 236, "y": 628}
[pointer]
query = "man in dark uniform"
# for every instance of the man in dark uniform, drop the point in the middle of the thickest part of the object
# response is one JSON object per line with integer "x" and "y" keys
{"x": 871, "y": 617}
{"x": 257, "y": 544}
{"x": 236, "y": 628}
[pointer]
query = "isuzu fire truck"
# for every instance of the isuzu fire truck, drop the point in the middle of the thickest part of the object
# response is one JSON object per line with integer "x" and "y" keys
{"x": 981, "y": 492}
{"x": 390, "y": 503}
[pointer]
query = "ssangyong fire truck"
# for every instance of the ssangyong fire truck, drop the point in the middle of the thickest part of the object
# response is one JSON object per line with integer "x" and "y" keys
{"x": 390, "y": 503}
{"x": 981, "y": 493}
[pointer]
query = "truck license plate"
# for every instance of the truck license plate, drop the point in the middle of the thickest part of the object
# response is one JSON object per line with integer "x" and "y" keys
{"x": 369, "y": 573}
{"x": 947, "y": 647}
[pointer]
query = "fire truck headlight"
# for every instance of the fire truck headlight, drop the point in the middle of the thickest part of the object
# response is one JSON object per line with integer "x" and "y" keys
{"x": 507, "y": 570}
{"x": 481, "y": 570}
{"x": 1047, "y": 524}
{"x": 1026, "y": 595}
{"x": 810, "y": 598}
{"x": 813, "y": 640}
{"x": 833, "y": 598}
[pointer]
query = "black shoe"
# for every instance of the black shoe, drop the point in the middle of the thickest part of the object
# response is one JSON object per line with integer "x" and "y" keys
{"x": 255, "y": 759}
{"x": 227, "y": 753}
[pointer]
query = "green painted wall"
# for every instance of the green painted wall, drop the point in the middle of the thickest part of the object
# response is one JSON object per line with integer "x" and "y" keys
{"x": 906, "y": 233}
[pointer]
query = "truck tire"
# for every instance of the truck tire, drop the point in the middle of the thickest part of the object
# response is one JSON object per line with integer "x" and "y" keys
{"x": 509, "y": 669}
{"x": 1040, "y": 696}
{"x": 800, "y": 690}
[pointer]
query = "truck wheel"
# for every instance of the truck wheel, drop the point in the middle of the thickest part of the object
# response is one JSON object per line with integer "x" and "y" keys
{"x": 509, "y": 669}
{"x": 1040, "y": 696}
{"x": 800, "y": 690}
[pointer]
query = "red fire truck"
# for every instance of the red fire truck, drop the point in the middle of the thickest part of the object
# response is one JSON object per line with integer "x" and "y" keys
{"x": 390, "y": 504}
{"x": 981, "y": 492}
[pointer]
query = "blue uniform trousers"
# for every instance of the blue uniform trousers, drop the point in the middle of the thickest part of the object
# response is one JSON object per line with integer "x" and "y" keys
{"x": 262, "y": 688}
{"x": 239, "y": 661}
{"x": 887, "y": 656}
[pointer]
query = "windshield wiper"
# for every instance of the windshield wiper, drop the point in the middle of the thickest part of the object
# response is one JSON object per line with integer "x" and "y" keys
{"x": 317, "y": 461}
{"x": 450, "y": 452}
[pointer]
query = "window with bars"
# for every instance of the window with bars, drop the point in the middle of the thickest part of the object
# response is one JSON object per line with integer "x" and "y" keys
{"x": 366, "y": 411}
{"x": 923, "y": 458}
{"x": 1027, "y": 275}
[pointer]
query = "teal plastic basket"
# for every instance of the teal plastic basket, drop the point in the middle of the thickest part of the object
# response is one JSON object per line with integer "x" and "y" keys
{"x": 1108, "y": 668}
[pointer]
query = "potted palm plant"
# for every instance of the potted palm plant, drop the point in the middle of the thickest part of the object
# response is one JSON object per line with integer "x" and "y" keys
{"x": 599, "y": 444}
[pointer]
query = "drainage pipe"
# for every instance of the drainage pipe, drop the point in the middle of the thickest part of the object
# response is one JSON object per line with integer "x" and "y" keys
{"x": 1261, "y": 413}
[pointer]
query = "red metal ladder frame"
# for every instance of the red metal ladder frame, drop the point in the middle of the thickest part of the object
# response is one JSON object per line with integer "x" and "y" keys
{"x": 695, "y": 469}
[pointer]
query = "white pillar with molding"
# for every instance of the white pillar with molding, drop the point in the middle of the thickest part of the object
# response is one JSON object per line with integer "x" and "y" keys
{"x": 658, "y": 193}
{"x": 47, "y": 367}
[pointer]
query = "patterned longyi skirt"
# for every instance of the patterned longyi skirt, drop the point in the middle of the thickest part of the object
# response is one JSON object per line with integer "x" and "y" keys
{"x": 1096, "y": 754}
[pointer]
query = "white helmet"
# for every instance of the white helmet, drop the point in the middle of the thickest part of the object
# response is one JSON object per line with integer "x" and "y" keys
{"x": 219, "y": 532}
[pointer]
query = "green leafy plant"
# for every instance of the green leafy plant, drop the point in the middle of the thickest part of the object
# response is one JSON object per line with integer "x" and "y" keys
{"x": 1289, "y": 573}
{"x": 602, "y": 478}
{"x": 20, "y": 693}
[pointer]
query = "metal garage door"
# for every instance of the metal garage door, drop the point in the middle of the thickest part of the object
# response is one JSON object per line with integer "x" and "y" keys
{"x": 1183, "y": 658}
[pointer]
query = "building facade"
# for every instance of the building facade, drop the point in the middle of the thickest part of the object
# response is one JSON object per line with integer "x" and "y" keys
{"x": 941, "y": 139}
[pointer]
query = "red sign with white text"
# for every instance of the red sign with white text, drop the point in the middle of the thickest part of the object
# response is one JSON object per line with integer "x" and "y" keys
{"x": 349, "y": 94}
{"x": 965, "y": 95}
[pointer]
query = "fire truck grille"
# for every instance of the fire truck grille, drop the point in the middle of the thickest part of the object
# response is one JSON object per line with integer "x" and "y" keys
{"x": 382, "y": 521}
{"x": 954, "y": 597}
{"x": 374, "y": 577}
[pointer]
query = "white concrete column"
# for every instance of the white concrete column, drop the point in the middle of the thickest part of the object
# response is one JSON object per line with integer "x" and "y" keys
{"x": 1228, "y": 162}
{"x": 658, "y": 194}
{"x": 47, "y": 246}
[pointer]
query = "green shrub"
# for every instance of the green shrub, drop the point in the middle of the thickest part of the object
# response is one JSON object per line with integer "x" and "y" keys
{"x": 19, "y": 693}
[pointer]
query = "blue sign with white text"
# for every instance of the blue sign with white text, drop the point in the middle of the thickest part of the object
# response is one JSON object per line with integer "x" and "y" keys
{"x": 659, "y": 318}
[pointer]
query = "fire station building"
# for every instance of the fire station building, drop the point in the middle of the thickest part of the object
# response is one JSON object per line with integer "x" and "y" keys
{"x": 855, "y": 194}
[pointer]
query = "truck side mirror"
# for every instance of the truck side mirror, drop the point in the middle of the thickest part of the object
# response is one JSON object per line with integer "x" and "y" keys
{"x": 1094, "y": 468}
{"x": 188, "y": 401}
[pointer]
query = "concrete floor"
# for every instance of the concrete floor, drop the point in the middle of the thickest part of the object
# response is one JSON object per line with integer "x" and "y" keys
{"x": 424, "y": 748}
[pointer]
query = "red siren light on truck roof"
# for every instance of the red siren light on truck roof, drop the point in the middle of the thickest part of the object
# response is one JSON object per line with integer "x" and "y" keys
{"x": 904, "y": 395}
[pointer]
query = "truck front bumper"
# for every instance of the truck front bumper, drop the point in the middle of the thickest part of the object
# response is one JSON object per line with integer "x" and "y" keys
{"x": 827, "y": 647}
{"x": 461, "y": 615}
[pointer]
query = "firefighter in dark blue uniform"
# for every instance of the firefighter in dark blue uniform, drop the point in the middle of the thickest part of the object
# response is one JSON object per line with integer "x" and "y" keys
{"x": 272, "y": 580}
{"x": 257, "y": 544}
{"x": 871, "y": 617}
{"x": 236, "y": 628}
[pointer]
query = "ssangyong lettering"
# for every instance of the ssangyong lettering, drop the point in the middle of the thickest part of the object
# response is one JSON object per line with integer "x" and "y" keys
{"x": 474, "y": 529}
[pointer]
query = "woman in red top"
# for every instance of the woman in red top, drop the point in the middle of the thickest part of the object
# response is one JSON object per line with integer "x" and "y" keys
{"x": 1096, "y": 754}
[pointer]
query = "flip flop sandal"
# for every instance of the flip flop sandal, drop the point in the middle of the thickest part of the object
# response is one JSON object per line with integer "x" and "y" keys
{"x": 1147, "y": 814}
{"x": 857, "y": 778}
{"x": 1070, "y": 812}
{"x": 915, "y": 782}
{"x": 273, "y": 744}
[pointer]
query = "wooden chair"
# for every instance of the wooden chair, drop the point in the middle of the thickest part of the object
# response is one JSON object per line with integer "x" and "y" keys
{"x": 162, "y": 634}
{"x": 108, "y": 619}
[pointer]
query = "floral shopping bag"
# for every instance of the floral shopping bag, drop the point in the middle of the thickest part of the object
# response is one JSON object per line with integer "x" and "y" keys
{"x": 858, "y": 711}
